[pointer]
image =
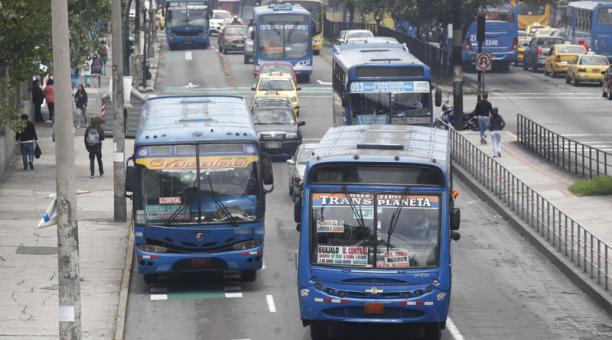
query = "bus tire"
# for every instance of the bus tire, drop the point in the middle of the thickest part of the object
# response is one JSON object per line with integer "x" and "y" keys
{"x": 432, "y": 331}
{"x": 151, "y": 278}
{"x": 306, "y": 78}
{"x": 318, "y": 332}
{"x": 249, "y": 275}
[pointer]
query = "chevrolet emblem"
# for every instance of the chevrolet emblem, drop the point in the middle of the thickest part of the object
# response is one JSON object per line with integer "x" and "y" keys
{"x": 199, "y": 237}
{"x": 374, "y": 291}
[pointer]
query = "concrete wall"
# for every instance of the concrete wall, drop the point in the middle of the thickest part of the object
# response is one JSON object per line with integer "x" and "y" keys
{"x": 8, "y": 149}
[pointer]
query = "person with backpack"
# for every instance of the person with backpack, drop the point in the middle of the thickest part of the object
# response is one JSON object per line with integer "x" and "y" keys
{"x": 497, "y": 124}
{"x": 26, "y": 139}
{"x": 80, "y": 100}
{"x": 94, "y": 135}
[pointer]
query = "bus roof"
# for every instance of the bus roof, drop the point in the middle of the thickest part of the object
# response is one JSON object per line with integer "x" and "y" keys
{"x": 284, "y": 8}
{"x": 384, "y": 143}
{"x": 589, "y": 5}
{"x": 350, "y": 55}
{"x": 182, "y": 119}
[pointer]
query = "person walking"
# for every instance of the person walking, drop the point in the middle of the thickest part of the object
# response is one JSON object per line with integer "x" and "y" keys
{"x": 94, "y": 135}
{"x": 80, "y": 100}
{"x": 482, "y": 111}
{"x": 497, "y": 125}
{"x": 49, "y": 93}
{"x": 37, "y": 98}
{"x": 103, "y": 53}
{"x": 86, "y": 72}
{"x": 26, "y": 139}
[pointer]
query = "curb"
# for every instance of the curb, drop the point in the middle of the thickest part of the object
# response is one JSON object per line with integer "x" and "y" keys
{"x": 125, "y": 286}
{"x": 589, "y": 287}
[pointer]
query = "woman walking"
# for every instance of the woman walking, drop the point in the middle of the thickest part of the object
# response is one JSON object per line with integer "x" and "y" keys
{"x": 50, "y": 98}
{"x": 94, "y": 135}
{"x": 497, "y": 124}
{"x": 80, "y": 100}
{"x": 26, "y": 139}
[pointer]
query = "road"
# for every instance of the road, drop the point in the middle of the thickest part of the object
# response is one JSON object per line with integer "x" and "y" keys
{"x": 503, "y": 288}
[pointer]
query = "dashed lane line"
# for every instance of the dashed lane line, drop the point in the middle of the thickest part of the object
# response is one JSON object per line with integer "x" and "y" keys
{"x": 188, "y": 55}
{"x": 270, "y": 302}
{"x": 453, "y": 330}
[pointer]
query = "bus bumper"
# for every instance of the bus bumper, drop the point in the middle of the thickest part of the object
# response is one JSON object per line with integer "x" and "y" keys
{"x": 319, "y": 308}
{"x": 179, "y": 41}
{"x": 301, "y": 68}
{"x": 155, "y": 263}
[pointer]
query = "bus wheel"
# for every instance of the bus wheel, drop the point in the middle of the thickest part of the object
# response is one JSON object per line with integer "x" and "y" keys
{"x": 249, "y": 275}
{"x": 318, "y": 332}
{"x": 151, "y": 278}
{"x": 432, "y": 331}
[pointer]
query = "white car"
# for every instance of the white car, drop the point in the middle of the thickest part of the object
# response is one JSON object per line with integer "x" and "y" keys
{"x": 352, "y": 34}
{"x": 297, "y": 166}
{"x": 218, "y": 20}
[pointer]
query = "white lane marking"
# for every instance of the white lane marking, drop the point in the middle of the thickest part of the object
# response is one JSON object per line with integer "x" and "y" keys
{"x": 188, "y": 55}
{"x": 453, "y": 330}
{"x": 539, "y": 93}
{"x": 263, "y": 264}
{"x": 326, "y": 83}
{"x": 159, "y": 297}
{"x": 270, "y": 302}
{"x": 549, "y": 97}
{"x": 233, "y": 295}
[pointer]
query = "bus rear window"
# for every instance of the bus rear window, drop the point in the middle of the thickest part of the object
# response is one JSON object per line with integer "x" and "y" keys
{"x": 352, "y": 174}
{"x": 389, "y": 72}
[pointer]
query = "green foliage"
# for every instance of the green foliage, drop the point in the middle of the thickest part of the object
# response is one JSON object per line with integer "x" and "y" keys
{"x": 600, "y": 185}
{"x": 10, "y": 116}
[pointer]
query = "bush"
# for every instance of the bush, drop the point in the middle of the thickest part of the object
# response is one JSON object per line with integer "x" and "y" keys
{"x": 597, "y": 186}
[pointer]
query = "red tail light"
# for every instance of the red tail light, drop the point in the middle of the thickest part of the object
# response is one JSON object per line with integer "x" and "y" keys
{"x": 468, "y": 44}
{"x": 558, "y": 59}
{"x": 539, "y": 51}
{"x": 515, "y": 43}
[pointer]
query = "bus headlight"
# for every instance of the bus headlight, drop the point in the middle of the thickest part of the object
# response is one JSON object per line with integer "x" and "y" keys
{"x": 304, "y": 63}
{"x": 246, "y": 245}
{"x": 149, "y": 248}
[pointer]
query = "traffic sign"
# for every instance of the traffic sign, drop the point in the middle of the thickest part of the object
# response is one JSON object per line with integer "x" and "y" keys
{"x": 484, "y": 62}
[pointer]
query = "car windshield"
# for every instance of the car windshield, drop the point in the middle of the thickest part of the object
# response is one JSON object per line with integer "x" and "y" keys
{"x": 276, "y": 85}
{"x": 394, "y": 105}
{"x": 284, "y": 36}
{"x": 221, "y": 15}
{"x": 375, "y": 231}
{"x": 304, "y": 155}
{"x": 571, "y": 49}
{"x": 184, "y": 14}
{"x": 273, "y": 116}
{"x": 283, "y": 68}
{"x": 357, "y": 35}
{"x": 235, "y": 31}
{"x": 594, "y": 60}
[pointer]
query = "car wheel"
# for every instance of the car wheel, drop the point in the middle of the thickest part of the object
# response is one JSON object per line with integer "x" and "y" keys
{"x": 249, "y": 275}
{"x": 576, "y": 82}
{"x": 567, "y": 79}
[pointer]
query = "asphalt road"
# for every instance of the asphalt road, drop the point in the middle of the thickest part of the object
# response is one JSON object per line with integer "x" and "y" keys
{"x": 503, "y": 288}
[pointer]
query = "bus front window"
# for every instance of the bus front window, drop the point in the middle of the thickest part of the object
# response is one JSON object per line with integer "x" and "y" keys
{"x": 392, "y": 104}
{"x": 186, "y": 15}
{"x": 166, "y": 197}
{"x": 283, "y": 36}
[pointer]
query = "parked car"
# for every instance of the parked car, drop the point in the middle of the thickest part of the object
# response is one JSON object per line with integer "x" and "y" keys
{"x": 249, "y": 52}
{"x": 587, "y": 68}
{"x": 607, "y": 84}
{"x": 232, "y": 38}
{"x": 296, "y": 167}
{"x": 534, "y": 56}
{"x": 345, "y": 35}
{"x": 285, "y": 67}
{"x": 218, "y": 20}
{"x": 560, "y": 56}
{"x": 277, "y": 129}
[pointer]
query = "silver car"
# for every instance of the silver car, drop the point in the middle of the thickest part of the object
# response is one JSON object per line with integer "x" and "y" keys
{"x": 297, "y": 165}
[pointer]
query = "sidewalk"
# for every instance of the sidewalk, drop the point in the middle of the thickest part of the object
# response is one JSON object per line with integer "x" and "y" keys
{"x": 552, "y": 183}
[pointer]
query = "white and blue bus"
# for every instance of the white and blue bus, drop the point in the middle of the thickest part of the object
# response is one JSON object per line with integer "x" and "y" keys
{"x": 591, "y": 21}
{"x": 380, "y": 83}
{"x": 187, "y": 24}
{"x": 283, "y": 32}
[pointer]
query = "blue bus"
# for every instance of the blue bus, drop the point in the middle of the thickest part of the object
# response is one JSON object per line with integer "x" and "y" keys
{"x": 380, "y": 83}
{"x": 501, "y": 36}
{"x": 376, "y": 217}
{"x": 187, "y": 24}
{"x": 283, "y": 32}
{"x": 198, "y": 187}
{"x": 591, "y": 21}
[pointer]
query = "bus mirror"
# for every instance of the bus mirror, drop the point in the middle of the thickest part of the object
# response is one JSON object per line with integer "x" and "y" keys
{"x": 130, "y": 178}
{"x": 438, "y": 97}
{"x": 297, "y": 211}
{"x": 301, "y": 123}
{"x": 268, "y": 176}
{"x": 455, "y": 236}
{"x": 455, "y": 219}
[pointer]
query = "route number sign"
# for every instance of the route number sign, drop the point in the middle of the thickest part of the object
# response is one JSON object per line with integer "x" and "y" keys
{"x": 484, "y": 62}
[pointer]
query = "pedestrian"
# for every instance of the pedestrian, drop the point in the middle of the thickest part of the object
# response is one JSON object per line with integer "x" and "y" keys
{"x": 86, "y": 72}
{"x": 80, "y": 100}
{"x": 497, "y": 125}
{"x": 50, "y": 98}
{"x": 94, "y": 135}
{"x": 96, "y": 65}
{"x": 482, "y": 111}
{"x": 581, "y": 42}
{"x": 74, "y": 78}
{"x": 37, "y": 98}
{"x": 26, "y": 139}
{"x": 103, "y": 53}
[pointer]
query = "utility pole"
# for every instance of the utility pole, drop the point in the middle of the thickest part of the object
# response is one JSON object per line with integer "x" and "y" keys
{"x": 67, "y": 225}
{"x": 120, "y": 208}
{"x": 144, "y": 46}
{"x": 126, "y": 39}
{"x": 458, "y": 63}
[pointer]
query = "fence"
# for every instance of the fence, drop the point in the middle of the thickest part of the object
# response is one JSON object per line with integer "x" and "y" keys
{"x": 590, "y": 254}
{"x": 438, "y": 59}
{"x": 573, "y": 156}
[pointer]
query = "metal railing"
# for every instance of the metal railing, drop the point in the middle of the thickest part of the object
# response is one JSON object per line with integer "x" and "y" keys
{"x": 571, "y": 155}
{"x": 585, "y": 250}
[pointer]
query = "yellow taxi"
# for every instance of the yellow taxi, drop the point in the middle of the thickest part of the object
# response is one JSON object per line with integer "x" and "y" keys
{"x": 522, "y": 45}
{"x": 587, "y": 68}
{"x": 560, "y": 56}
{"x": 278, "y": 84}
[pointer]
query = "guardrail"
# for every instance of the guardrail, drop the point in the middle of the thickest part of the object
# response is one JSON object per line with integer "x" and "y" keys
{"x": 571, "y": 155}
{"x": 585, "y": 250}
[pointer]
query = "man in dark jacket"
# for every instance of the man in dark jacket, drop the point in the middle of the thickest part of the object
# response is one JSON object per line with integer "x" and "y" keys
{"x": 37, "y": 98}
{"x": 26, "y": 139}
{"x": 482, "y": 111}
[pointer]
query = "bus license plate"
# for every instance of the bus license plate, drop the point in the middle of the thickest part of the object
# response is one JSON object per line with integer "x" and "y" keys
{"x": 374, "y": 308}
{"x": 199, "y": 263}
{"x": 274, "y": 145}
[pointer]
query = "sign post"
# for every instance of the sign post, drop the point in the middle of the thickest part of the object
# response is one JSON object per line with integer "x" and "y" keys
{"x": 484, "y": 62}
{"x": 480, "y": 38}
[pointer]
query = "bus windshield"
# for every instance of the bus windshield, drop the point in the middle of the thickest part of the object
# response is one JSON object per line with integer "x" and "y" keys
{"x": 184, "y": 14}
{"x": 367, "y": 230}
{"x": 393, "y": 104}
{"x": 500, "y": 13}
{"x": 284, "y": 36}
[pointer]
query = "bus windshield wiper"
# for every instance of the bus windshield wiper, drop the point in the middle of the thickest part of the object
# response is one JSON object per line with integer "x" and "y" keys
{"x": 219, "y": 203}
{"x": 393, "y": 222}
{"x": 357, "y": 212}
{"x": 182, "y": 208}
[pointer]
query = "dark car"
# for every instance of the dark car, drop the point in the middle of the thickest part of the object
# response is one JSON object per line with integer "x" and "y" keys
{"x": 232, "y": 38}
{"x": 607, "y": 83}
{"x": 534, "y": 55}
{"x": 277, "y": 129}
